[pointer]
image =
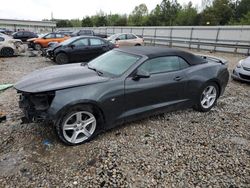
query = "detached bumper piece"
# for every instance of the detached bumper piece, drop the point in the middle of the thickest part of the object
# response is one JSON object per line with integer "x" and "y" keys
{"x": 35, "y": 106}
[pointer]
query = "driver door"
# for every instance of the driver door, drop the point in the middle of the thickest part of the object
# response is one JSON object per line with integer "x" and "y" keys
{"x": 164, "y": 88}
{"x": 79, "y": 50}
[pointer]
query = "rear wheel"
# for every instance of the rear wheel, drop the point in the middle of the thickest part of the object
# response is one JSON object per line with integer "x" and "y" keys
{"x": 62, "y": 58}
{"x": 137, "y": 45}
{"x": 78, "y": 125}
{"x": 7, "y": 52}
{"x": 208, "y": 97}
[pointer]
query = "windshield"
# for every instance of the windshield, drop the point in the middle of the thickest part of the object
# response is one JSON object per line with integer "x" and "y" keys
{"x": 42, "y": 35}
{"x": 113, "y": 37}
{"x": 114, "y": 62}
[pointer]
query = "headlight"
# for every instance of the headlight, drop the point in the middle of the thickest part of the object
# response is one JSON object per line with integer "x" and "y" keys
{"x": 239, "y": 64}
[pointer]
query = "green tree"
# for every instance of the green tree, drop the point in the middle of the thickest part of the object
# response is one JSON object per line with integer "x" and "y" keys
{"x": 87, "y": 22}
{"x": 245, "y": 20}
{"x": 220, "y": 13}
{"x": 153, "y": 17}
{"x": 169, "y": 10}
{"x": 187, "y": 16}
{"x": 76, "y": 22}
{"x": 117, "y": 20}
{"x": 99, "y": 19}
{"x": 138, "y": 16}
{"x": 63, "y": 23}
{"x": 241, "y": 8}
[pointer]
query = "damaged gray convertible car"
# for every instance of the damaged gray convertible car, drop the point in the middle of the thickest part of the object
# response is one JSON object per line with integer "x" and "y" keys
{"x": 119, "y": 86}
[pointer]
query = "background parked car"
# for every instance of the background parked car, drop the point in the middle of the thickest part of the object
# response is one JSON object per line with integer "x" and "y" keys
{"x": 242, "y": 70}
{"x": 87, "y": 32}
{"x": 24, "y": 35}
{"x": 44, "y": 40}
{"x": 126, "y": 39}
{"x": 65, "y": 32}
{"x": 77, "y": 49}
{"x": 10, "y": 47}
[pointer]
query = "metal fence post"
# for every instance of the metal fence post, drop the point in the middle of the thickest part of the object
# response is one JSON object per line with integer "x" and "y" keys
{"x": 216, "y": 40}
{"x": 170, "y": 37}
{"x": 155, "y": 36}
{"x": 191, "y": 37}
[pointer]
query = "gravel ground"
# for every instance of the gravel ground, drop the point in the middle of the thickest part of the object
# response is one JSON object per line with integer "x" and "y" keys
{"x": 179, "y": 149}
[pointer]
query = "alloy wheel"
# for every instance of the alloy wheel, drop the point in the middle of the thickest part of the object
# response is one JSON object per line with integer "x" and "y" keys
{"x": 79, "y": 127}
{"x": 208, "y": 97}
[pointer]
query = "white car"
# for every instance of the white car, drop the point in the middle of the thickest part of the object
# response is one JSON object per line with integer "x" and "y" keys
{"x": 242, "y": 70}
{"x": 10, "y": 47}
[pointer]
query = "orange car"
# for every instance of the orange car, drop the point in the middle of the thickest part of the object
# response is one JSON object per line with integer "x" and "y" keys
{"x": 44, "y": 40}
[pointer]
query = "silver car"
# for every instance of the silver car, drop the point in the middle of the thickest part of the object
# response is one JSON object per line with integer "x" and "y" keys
{"x": 242, "y": 70}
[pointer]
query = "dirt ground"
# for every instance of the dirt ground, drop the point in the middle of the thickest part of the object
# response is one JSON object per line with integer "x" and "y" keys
{"x": 179, "y": 149}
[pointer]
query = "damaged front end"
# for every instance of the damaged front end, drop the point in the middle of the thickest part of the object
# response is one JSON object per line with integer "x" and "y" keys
{"x": 35, "y": 106}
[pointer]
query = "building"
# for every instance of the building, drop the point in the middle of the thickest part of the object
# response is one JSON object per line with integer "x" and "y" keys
{"x": 30, "y": 25}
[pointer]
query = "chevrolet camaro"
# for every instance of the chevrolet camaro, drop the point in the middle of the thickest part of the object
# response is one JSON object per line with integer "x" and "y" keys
{"x": 121, "y": 85}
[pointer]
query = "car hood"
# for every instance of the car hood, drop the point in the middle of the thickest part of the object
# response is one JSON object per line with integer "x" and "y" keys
{"x": 58, "y": 77}
{"x": 246, "y": 62}
{"x": 32, "y": 39}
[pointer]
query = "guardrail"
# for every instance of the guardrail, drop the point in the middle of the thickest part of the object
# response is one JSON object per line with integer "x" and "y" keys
{"x": 233, "y": 39}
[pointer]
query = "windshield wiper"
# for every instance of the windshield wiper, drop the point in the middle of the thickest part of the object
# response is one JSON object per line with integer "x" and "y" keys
{"x": 94, "y": 69}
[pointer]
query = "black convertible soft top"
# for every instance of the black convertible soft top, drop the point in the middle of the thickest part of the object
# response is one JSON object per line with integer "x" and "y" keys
{"x": 153, "y": 52}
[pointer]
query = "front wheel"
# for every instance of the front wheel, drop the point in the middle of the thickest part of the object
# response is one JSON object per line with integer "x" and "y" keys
{"x": 62, "y": 58}
{"x": 77, "y": 125}
{"x": 208, "y": 97}
{"x": 7, "y": 52}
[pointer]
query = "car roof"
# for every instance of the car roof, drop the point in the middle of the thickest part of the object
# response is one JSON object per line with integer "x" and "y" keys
{"x": 87, "y": 36}
{"x": 153, "y": 52}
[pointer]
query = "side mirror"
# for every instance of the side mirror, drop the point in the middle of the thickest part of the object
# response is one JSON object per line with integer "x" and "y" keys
{"x": 72, "y": 46}
{"x": 117, "y": 39}
{"x": 141, "y": 74}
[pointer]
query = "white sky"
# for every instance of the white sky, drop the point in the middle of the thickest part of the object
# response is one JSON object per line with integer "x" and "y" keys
{"x": 71, "y": 9}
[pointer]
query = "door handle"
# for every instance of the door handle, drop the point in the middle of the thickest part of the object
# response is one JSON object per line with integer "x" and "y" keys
{"x": 178, "y": 78}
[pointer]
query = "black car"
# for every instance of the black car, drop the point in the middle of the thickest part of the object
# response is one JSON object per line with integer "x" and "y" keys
{"x": 77, "y": 49}
{"x": 87, "y": 32}
{"x": 24, "y": 35}
{"x": 119, "y": 86}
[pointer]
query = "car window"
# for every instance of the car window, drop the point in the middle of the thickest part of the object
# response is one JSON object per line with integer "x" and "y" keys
{"x": 58, "y": 35}
{"x": 122, "y": 37}
{"x": 81, "y": 42}
{"x": 26, "y": 34}
{"x": 85, "y": 32}
{"x": 19, "y": 34}
{"x": 1, "y": 39}
{"x": 183, "y": 63}
{"x": 49, "y": 36}
{"x": 96, "y": 42}
{"x": 131, "y": 36}
{"x": 164, "y": 64}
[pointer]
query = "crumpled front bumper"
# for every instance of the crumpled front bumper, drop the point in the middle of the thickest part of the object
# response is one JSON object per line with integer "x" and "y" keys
{"x": 35, "y": 107}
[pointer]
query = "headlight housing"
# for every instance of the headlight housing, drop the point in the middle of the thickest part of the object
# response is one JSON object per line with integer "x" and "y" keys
{"x": 239, "y": 64}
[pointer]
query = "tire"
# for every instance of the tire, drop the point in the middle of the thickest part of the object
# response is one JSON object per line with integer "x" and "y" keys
{"x": 62, "y": 58}
{"x": 207, "y": 98}
{"x": 79, "y": 124}
{"x": 7, "y": 52}
{"x": 37, "y": 47}
{"x": 137, "y": 45}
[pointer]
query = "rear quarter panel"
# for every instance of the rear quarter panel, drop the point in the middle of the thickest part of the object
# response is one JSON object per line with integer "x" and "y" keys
{"x": 201, "y": 74}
